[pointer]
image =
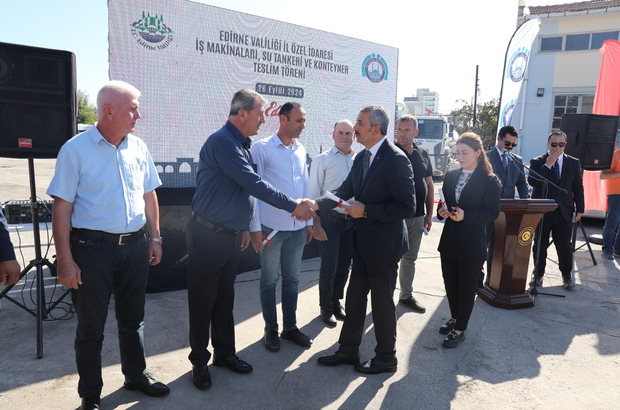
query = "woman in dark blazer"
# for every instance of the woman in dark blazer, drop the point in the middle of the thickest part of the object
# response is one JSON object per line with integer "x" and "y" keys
{"x": 472, "y": 196}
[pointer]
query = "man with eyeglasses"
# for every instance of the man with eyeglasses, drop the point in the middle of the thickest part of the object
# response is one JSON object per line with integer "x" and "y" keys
{"x": 512, "y": 176}
{"x": 564, "y": 171}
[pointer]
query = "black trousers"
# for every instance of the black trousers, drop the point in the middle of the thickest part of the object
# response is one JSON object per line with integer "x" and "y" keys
{"x": 378, "y": 278}
{"x": 459, "y": 278}
{"x": 212, "y": 269}
{"x": 554, "y": 223}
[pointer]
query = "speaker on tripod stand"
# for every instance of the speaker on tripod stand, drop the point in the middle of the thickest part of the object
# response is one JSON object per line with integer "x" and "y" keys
{"x": 38, "y": 114}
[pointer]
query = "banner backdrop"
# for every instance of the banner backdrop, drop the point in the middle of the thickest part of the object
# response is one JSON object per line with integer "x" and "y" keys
{"x": 188, "y": 60}
{"x": 515, "y": 68}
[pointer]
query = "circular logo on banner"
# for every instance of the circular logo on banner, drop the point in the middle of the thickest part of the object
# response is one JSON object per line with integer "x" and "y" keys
{"x": 506, "y": 115}
{"x": 518, "y": 64}
{"x": 525, "y": 236}
{"x": 151, "y": 32}
{"x": 374, "y": 68}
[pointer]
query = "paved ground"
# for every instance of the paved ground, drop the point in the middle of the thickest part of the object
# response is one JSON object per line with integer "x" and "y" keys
{"x": 563, "y": 353}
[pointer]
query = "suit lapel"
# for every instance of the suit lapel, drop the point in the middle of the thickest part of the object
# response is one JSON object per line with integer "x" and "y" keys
{"x": 496, "y": 162}
{"x": 376, "y": 162}
{"x": 470, "y": 186}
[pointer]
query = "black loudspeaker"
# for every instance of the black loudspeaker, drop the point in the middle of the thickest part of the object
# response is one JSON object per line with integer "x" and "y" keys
{"x": 591, "y": 139}
{"x": 38, "y": 109}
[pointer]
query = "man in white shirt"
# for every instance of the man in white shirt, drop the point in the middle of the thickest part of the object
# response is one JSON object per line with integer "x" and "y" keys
{"x": 334, "y": 229}
{"x": 281, "y": 161}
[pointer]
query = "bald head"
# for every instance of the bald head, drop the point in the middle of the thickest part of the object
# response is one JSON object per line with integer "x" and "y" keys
{"x": 117, "y": 110}
{"x": 114, "y": 94}
{"x": 343, "y": 136}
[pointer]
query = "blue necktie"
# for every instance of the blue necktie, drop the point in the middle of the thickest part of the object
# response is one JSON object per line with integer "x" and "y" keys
{"x": 556, "y": 167}
{"x": 365, "y": 164}
{"x": 505, "y": 161}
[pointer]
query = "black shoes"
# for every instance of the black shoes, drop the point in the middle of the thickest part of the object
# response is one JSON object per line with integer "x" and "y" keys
{"x": 537, "y": 281}
{"x": 271, "y": 340}
{"x": 201, "y": 377}
{"x": 328, "y": 318}
{"x": 412, "y": 304}
{"x": 233, "y": 363}
{"x": 567, "y": 284}
{"x": 453, "y": 340}
{"x": 339, "y": 311}
{"x": 376, "y": 366}
{"x": 338, "y": 358}
{"x": 447, "y": 327}
{"x": 90, "y": 403}
{"x": 295, "y": 336}
{"x": 147, "y": 385}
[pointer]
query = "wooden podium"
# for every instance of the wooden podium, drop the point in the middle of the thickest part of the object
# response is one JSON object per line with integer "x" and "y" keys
{"x": 514, "y": 233}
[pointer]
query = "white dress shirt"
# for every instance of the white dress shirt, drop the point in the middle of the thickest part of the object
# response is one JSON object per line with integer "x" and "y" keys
{"x": 328, "y": 171}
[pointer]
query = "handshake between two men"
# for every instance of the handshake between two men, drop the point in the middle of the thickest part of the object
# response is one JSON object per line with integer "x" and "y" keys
{"x": 306, "y": 209}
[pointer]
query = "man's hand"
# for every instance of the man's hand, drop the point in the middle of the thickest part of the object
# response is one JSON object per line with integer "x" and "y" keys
{"x": 319, "y": 233}
{"x": 304, "y": 211}
{"x": 578, "y": 216}
{"x": 428, "y": 221}
{"x": 554, "y": 154}
{"x": 309, "y": 230}
{"x": 69, "y": 273}
{"x": 355, "y": 209}
{"x": 257, "y": 241}
{"x": 9, "y": 272}
{"x": 155, "y": 253}
{"x": 245, "y": 240}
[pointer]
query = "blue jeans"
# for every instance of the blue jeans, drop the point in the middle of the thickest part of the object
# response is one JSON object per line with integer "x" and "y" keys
{"x": 336, "y": 253}
{"x": 611, "y": 233}
{"x": 285, "y": 251}
{"x": 108, "y": 268}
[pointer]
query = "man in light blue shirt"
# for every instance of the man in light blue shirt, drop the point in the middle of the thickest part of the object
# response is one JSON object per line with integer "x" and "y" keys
{"x": 104, "y": 190}
{"x": 281, "y": 161}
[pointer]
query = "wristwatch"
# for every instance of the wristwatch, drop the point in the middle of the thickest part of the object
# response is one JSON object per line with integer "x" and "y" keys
{"x": 157, "y": 240}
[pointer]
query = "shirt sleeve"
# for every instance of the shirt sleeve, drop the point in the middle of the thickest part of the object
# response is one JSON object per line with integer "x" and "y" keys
{"x": 7, "y": 253}
{"x": 66, "y": 176}
{"x": 317, "y": 177}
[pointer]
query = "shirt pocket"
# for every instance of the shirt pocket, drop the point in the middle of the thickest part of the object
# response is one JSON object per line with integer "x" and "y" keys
{"x": 135, "y": 176}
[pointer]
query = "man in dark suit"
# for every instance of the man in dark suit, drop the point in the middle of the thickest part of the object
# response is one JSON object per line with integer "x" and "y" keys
{"x": 381, "y": 180}
{"x": 564, "y": 171}
{"x": 9, "y": 267}
{"x": 511, "y": 175}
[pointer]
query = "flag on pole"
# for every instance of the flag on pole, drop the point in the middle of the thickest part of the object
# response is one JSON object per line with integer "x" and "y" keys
{"x": 515, "y": 67}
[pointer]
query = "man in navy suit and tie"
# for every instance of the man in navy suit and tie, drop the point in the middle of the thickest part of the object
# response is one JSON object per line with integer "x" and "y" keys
{"x": 511, "y": 175}
{"x": 381, "y": 180}
{"x": 564, "y": 171}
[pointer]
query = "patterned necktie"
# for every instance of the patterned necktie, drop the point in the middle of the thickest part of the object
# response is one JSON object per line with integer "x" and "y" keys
{"x": 365, "y": 164}
{"x": 505, "y": 161}
{"x": 556, "y": 167}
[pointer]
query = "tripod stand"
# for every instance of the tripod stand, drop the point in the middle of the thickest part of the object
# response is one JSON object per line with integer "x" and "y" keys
{"x": 37, "y": 263}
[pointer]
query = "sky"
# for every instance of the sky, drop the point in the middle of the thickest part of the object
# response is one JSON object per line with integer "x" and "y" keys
{"x": 440, "y": 42}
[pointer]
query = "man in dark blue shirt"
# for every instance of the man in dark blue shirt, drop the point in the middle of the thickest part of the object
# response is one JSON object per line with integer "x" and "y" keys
{"x": 9, "y": 267}
{"x": 218, "y": 231}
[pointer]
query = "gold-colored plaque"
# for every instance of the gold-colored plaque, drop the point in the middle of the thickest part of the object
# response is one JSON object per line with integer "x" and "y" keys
{"x": 525, "y": 236}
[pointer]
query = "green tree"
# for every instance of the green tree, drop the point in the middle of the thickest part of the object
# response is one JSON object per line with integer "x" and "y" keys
{"x": 87, "y": 112}
{"x": 486, "y": 120}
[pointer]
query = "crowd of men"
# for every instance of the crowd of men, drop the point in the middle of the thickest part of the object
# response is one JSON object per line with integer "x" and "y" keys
{"x": 262, "y": 194}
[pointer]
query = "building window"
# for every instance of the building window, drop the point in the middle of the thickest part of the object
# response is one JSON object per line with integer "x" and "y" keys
{"x": 570, "y": 104}
{"x": 576, "y": 42}
{"x": 599, "y": 38}
{"x": 551, "y": 44}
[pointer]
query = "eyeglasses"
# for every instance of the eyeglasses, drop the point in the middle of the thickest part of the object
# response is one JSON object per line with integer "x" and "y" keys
{"x": 557, "y": 144}
{"x": 508, "y": 143}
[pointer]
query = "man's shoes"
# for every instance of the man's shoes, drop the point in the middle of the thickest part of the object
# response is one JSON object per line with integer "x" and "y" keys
{"x": 453, "y": 340}
{"x": 568, "y": 284}
{"x": 338, "y": 358}
{"x": 412, "y": 304}
{"x": 90, "y": 403}
{"x": 271, "y": 340}
{"x": 295, "y": 336}
{"x": 233, "y": 363}
{"x": 201, "y": 377}
{"x": 376, "y": 366}
{"x": 147, "y": 385}
{"x": 339, "y": 311}
{"x": 328, "y": 318}
{"x": 447, "y": 327}
{"x": 537, "y": 281}
{"x": 608, "y": 254}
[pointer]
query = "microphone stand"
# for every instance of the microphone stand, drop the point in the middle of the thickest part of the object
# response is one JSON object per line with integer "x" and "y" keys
{"x": 533, "y": 290}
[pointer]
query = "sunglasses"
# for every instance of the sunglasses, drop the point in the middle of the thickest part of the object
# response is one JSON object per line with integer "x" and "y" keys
{"x": 557, "y": 144}
{"x": 508, "y": 143}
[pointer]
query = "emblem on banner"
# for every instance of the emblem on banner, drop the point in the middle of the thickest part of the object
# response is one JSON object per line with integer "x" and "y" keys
{"x": 525, "y": 236}
{"x": 151, "y": 32}
{"x": 518, "y": 64}
{"x": 506, "y": 114}
{"x": 375, "y": 68}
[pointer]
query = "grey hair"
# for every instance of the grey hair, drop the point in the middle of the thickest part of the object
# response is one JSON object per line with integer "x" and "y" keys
{"x": 245, "y": 100}
{"x": 409, "y": 118}
{"x": 112, "y": 89}
{"x": 378, "y": 116}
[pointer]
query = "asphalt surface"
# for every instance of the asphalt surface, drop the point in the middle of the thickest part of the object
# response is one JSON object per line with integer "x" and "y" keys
{"x": 563, "y": 353}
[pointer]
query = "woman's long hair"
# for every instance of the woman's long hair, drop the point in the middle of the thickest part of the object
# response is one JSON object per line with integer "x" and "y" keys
{"x": 473, "y": 140}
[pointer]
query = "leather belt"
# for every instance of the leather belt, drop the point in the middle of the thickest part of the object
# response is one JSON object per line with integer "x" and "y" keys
{"x": 337, "y": 214}
{"x": 119, "y": 238}
{"x": 215, "y": 228}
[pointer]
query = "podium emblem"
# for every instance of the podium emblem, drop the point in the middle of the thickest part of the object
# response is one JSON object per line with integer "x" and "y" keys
{"x": 525, "y": 236}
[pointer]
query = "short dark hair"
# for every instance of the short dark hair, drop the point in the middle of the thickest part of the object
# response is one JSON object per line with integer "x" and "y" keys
{"x": 288, "y": 107}
{"x": 408, "y": 118}
{"x": 508, "y": 129}
{"x": 557, "y": 132}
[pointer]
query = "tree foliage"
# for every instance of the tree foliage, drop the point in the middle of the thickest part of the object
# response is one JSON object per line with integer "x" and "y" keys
{"x": 486, "y": 120}
{"x": 87, "y": 112}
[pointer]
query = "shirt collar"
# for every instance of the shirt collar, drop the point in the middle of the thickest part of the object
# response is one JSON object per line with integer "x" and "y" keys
{"x": 245, "y": 142}
{"x": 373, "y": 150}
{"x": 336, "y": 151}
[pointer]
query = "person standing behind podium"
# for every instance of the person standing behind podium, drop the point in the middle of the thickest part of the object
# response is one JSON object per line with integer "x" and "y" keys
{"x": 472, "y": 196}
{"x": 511, "y": 176}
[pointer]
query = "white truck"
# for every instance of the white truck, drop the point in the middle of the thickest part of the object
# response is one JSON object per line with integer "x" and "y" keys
{"x": 437, "y": 136}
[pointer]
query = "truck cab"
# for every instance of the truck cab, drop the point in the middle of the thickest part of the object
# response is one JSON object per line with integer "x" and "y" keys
{"x": 437, "y": 136}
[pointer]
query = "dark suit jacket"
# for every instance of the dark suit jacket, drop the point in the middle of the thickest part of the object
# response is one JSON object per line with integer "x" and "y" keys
{"x": 510, "y": 178}
{"x": 571, "y": 179}
{"x": 480, "y": 201}
{"x": 389, "y": 197}
{"x": 6, "y": 247}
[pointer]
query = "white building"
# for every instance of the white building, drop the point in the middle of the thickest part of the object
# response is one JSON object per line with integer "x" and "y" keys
{"x": 425, "y": 102}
